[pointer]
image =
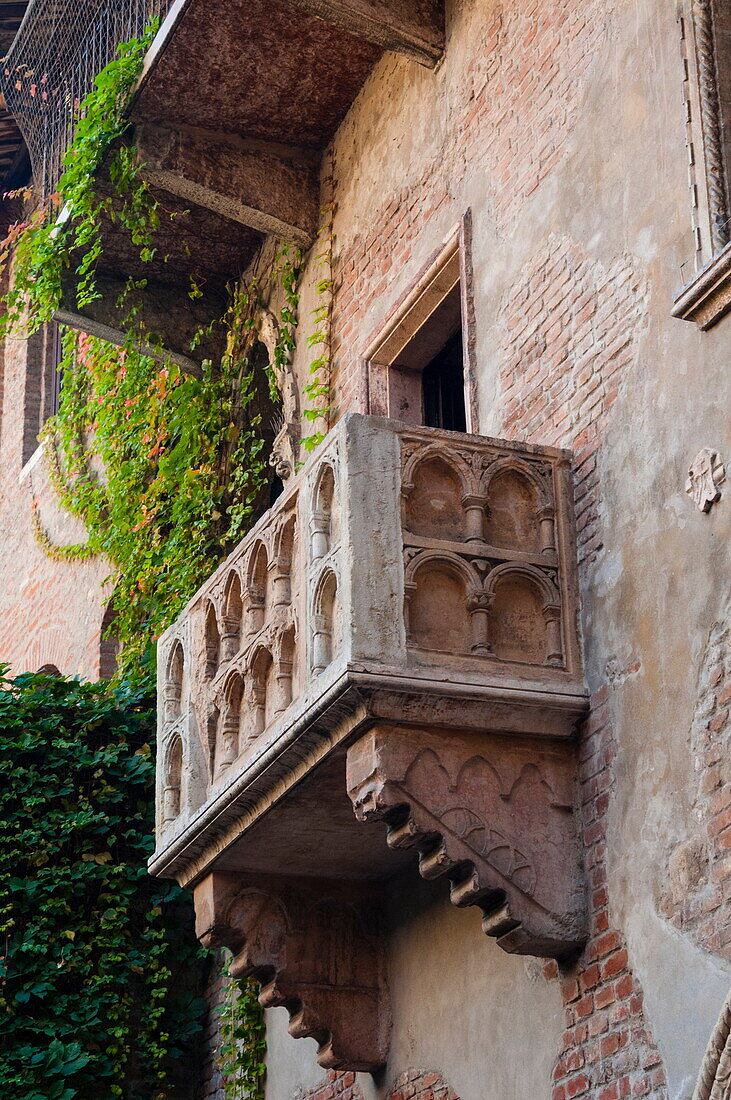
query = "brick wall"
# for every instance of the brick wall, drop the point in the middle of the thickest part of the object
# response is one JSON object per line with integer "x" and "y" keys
{"x": 607, "y": 1051}
{"x": 570, "y": 342}
{"x": 410, "y": 1085}
{"x": 512, "y": 108}
{"x": 570, "y": 345}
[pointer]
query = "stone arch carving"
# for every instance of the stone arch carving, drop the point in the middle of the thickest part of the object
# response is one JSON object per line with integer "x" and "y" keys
{"x": 438, "y": 590}
{"x": 262, "y": 684}
{"x": 212, "y": 638}
{"x": 174, "y": 676}
{"x": 282, "y": 562}
{"x": 173, "y": 778}
{"x": 512, "y": 511}
{"x": 325, "y": 621}
{"x": 286, "y": 657}
{"x": 468, "y": 482}
{"x": 434, "y": 496}
{"x": 323, "y": 535}
{"x": 231, "y": 620}
{"x": 525, "y": 615}
{"x": 227, "y": 747}
{"x": 257, "y": 584}
{"x": 261, "y": 924}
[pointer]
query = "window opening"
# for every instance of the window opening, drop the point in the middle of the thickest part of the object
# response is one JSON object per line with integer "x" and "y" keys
{"x": 442, "y": 383}
{"x": 42, "y": 383}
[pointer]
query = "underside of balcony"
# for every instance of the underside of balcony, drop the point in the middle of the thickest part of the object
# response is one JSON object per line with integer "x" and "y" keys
{"x": 230, "y": 117}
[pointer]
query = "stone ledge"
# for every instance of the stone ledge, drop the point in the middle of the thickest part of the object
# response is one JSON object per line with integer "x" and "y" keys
{"x": 707, "y": 298}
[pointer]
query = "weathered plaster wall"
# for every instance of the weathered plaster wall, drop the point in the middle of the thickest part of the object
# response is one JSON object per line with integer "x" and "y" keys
{"x": 561, "y": 128}
{"x": 50, "y": 612}
{"x": 462, "y": 1008}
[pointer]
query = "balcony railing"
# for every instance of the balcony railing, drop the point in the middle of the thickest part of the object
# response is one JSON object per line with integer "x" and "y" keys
{"x": 395, "y": 641}
{"x": 430, "y": 565}
{"x": 60, "y": 48}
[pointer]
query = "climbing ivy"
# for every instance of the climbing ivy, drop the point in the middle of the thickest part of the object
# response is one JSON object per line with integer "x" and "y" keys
{"x": 97, "y": 975}
{"x": 242, "y": 1057}
{"x": 166, "y": 470}
{"x": 319, "y": 389}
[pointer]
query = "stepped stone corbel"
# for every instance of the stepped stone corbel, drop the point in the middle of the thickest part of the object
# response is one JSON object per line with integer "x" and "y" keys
{"x": 492, "y": 813}
{"x": 316, "y": 949}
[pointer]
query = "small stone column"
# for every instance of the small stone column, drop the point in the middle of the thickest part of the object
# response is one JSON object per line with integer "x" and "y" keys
{"x": 230, "y": 637}
{"x": 170, "y": 802}
{"x": 479, "y": 606}
{"x": 227, "y": 748}
{"x": 547, "y": 519}
{"x": 554, "y": 641}
{"x": 171, "y": 698}
{"x": 474, "y": 507}
{"x": 254, "y": 610}
{"x": 280, "y": 588}
{"x": 284, "y": 684}
{"x": 321, "y": 642}
{"x": 319, "y": 535}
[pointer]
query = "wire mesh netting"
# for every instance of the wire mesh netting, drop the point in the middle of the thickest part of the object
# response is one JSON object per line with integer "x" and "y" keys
{"x": 60, "y": 47}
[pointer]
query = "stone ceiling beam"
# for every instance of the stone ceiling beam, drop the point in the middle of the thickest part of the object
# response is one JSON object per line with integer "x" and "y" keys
{"x": 168, "y": 315}
{"x": 411, "y": 27}
{"x": 269, "y": 188}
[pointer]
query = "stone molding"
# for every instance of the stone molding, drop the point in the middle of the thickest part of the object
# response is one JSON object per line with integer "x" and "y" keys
{"x": 710, "y": 109}
{"x": 317, "y": 950}
{"x": 707, "y": 298}
{"x": 493, "y": 816}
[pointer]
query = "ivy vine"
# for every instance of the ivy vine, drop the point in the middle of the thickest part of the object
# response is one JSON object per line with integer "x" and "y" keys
{"x": 242, "y": 1056}
{"x": 319, "y": 389}
{"x": 96, "y": 996}
{"x": 166, "y": 470}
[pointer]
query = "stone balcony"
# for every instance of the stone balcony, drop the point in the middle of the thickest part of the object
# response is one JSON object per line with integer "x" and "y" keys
{"x": 394, "y": 643}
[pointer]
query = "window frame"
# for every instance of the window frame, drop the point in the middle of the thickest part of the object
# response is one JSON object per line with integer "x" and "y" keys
{"x": 447, "y": 272}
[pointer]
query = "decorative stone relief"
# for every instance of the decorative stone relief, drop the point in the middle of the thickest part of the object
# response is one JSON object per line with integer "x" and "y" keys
{"x": 478, "y": 531}
{"x": 707, "y": 472}
{"x": 492, "y": 814}
{"x": 285, "y": 451}
{"x": 317, "y": 951}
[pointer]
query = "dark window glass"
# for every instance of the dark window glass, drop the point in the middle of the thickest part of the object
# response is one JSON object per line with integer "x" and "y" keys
{"x": 443, "y": 388}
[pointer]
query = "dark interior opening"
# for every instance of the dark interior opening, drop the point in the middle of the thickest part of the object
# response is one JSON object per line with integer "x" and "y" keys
{"x": 442, "y": 381}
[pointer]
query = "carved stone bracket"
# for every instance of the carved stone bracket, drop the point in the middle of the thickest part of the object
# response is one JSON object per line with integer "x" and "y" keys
{"x": 317, "y": 950}
{"x": 493, "y": 814}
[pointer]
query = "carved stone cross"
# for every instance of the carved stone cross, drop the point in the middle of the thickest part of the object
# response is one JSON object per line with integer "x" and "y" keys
{"x": 705, "y": 475}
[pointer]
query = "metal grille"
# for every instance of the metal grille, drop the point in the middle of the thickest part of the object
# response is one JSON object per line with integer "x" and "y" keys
{"x": 60, "y": 47}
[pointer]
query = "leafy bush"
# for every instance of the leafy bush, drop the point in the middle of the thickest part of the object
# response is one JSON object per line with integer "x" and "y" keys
{"x": 100, "y": 969}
